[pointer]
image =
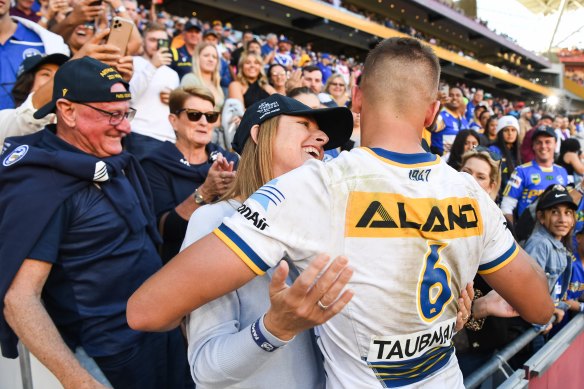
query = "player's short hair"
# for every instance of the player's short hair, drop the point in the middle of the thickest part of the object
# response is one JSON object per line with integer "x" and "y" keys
{"x": 180, "y": 95}
{"x": 154, "y": 26}
{"x": 400, "y": 71}
{"x": 255, "y": 164}
{"x": 310, "y": 69}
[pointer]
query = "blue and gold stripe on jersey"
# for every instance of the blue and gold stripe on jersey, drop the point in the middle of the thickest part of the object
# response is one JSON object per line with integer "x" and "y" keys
{"x": 403, "y": 160}
{"x": 241, "y": 249}
{"x": 396, "y": 374}
{"x": 500, "y": 262}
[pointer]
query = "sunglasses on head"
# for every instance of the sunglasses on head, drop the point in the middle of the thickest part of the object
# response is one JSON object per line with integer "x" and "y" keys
{"x": 194, "y": 116}
{"x": 482, "y": 149}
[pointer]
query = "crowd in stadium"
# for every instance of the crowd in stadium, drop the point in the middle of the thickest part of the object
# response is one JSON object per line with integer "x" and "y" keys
{"x": 195, "y": 149}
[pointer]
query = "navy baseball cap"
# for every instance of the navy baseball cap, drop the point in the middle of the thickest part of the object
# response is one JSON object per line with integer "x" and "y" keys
{"x": 85, "y": 80}
{"x": 554, "y": 195}
{"x": 336, "y": 123}
{"x": 193, "y": 23}
{"x": 34, "y": 61}
{"x": 543, "y": 131}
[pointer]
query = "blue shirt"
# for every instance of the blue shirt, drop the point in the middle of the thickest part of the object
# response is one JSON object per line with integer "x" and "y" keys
{"x": 576, "y": 287}
{"x": 470, "y": 107}
{"x": 24, "y": 43}
{"x": 529, "y": 180}
{"x": 447, "y": 127}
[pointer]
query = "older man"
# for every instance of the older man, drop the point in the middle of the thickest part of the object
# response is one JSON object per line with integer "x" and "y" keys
{"x": 78, "y": 237}
{"x": 415, "y": 231}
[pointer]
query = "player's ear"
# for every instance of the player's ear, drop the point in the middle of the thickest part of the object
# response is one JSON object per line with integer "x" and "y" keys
{"x": 431, "y": 113}
{"x": 254, "y": 133}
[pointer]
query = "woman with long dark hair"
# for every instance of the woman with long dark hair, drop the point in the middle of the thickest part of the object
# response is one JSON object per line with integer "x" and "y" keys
{"x": 465, "y": 140}
{"x": 507, "y": 146}
{"x": 569, "y": 159}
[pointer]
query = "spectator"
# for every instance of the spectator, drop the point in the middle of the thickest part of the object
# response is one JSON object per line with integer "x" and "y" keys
{"x": 218, "y": 328}
{"x": 550, "y": 244}
{"x": 482, "y": 119}
{"x": 576, "y": 287}
{"x": 477, "y": 98}
{"x": 150, "y": 86}
{"x": 561, "y": 126}
{"x": 507, "y": 146}
{"x": 337, "y": 89}
{"x": 570, "y": 159}
{"x": 212, "y": 37}
{"x": 190, "y": 173}
{"x": 343, "y": 69}
{"x": 21, "y": 38}
{"x": 475, "y": 123}
{"x": 283, "y": 55}
{"x": 526, "y": 148}
{"x": 92, "y": 241}
{"x": 236, "y": 54}
{"x": 205, "y": 73}
{"x": 449, "y": 122}
{"x": 306, "y": 97}
{"x": 525, "y": 124}
{"x": 271, "y": 44}
{"x": 23, "y": 9}
{"x": 182, "y": 58}
{"x": 250, "y": 84}
{"x": 278, "y": 76}
{"x": 491, "y": 129}
{"x": 34, "y": 73}
{"x": 325, "y": 66}
{"x": 529, "y": 180}
{"x": 465, "y": 140}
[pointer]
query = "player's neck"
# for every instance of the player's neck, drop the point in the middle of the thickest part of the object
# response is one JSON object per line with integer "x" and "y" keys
{"x": 390, "y": 133}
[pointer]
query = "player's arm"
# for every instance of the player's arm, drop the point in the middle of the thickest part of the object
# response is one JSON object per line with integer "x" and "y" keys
{"x": 28, "y": 318}
{"x": 523, "y": 284}
{"x": 200, "y": 273}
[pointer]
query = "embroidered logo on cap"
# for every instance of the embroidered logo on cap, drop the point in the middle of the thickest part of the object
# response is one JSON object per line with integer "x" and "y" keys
{"x": 266, "y": 108}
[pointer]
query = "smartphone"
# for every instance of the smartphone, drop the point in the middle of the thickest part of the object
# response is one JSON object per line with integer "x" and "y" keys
{"x": 120, "y": 33}
{"x": 163, "y": 43}
{"x": 96, "y": 2}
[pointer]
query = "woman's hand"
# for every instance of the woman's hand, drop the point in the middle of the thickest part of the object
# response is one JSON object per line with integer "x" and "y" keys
{"x": 464, "y": 306}
{"x": 311, "y": 300}
{"x": 219, "y": 179}
{"x": 492, "y": 304}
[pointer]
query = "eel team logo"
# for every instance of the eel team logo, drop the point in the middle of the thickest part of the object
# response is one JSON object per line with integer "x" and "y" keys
{"x": 535, "y": 179}
{"x": 16, "y": 155}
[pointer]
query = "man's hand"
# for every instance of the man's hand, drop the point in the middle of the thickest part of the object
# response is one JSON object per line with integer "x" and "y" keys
{"x": 125, "y": 66}
{"x": 295, "y": 80}
{"x": 161, "y": 58}
{"x": 109, "y": 54}
{"x": 313, "y": 299}
{"x": 85, "y": 12}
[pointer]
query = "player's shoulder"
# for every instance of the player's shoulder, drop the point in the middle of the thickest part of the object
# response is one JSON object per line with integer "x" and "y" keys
{"x": 525, "y": 166}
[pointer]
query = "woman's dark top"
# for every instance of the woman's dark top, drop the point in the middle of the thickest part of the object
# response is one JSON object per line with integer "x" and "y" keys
{"x": 254, "y": 93}
{"x": 172, "y": 180}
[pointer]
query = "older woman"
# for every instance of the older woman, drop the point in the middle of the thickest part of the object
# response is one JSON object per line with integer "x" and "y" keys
{"x": 190, "y": 173}
{"x": 250, "y": 84}
{"x": 337, "y": 88}
{"x": 205, "y": 72}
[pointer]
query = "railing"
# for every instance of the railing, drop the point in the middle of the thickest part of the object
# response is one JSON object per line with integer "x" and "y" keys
{"x": 536, "y": 365}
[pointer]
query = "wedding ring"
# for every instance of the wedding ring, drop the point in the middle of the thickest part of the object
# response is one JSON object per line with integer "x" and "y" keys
{"x": 322, "y": 306}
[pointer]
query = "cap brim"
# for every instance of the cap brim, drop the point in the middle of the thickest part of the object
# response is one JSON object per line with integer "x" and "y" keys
{"x": 336, "y": 123}
{"x": 45, "y": 110}
{"x": 555, "y": 202}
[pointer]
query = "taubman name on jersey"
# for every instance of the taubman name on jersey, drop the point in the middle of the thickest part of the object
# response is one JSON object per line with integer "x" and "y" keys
{"x": 405, "y": 347}
{"x": 390, "y": 215}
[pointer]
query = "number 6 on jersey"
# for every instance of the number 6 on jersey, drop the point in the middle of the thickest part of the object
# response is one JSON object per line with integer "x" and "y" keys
{"x": 433, "y": 285}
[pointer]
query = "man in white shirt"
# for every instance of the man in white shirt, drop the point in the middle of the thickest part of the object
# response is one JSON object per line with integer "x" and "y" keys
{"x": 150, "y": 86}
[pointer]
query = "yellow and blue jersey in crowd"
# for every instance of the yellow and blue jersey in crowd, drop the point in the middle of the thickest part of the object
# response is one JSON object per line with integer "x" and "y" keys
{"x": 529, "y": 180}
{"x": 448, "y": 124}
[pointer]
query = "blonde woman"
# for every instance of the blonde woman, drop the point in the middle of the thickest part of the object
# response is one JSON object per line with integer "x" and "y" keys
{"x": 251, "y": 84}
{"x": 337, "y": 88}
{"x": 205, "y": 72}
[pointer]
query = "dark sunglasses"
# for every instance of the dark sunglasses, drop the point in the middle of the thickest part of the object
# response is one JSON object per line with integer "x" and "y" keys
{"x": 194, "y": 115}
{"x": 482, "y": 149}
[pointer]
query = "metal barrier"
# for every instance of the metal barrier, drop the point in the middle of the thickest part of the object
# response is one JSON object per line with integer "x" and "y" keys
{"x": 536, "y": 365}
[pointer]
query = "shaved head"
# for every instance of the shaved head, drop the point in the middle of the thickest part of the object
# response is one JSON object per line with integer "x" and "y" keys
{"x": 401, "y": 73}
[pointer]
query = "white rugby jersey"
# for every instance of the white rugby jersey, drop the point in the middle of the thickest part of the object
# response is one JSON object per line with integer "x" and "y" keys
{"x": 415, "y": 232}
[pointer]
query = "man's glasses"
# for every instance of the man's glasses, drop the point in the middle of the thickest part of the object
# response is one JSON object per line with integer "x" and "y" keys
{"x": 194, "y": 115}
{"x": 115, "y": 118}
